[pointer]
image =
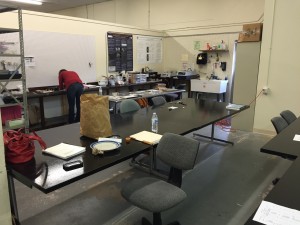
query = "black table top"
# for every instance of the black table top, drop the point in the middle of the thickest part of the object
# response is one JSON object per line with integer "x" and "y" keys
{"x": 283, "y": 144}
{"x": 46, "y": 172}
{"x": 34, "y": 94}
{"x": 286, "y": 191}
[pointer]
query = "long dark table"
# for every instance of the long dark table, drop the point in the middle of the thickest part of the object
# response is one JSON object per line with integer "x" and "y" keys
{"x": 46, "y": 172}
{"x": 33, "y": 94}
{"x": 287, "y": 191}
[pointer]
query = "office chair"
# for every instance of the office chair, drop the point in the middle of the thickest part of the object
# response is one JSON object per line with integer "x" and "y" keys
{"x": 288, "y": 116}
{"x": 129, "y": 105}
{"x": 174, "y": 96}
{"x": 156, "y": 195}
{"x": 279, "y": 124}
{"x": 158, "y": 101}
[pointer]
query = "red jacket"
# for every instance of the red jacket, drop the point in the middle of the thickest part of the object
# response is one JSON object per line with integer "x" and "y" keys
{"x": 66, "y": 78}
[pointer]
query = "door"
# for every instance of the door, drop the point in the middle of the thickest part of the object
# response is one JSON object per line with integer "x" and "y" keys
{"x": 245, "y": 83}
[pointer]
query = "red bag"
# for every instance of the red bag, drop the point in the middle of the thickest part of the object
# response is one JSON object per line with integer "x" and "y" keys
{"x": 19, "y": 147}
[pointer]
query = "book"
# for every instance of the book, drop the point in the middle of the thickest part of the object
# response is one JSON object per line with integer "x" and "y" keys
{"x": 234, "y": 107}
{"x": 147, "y": 137}
{"x": 64, "y": 151}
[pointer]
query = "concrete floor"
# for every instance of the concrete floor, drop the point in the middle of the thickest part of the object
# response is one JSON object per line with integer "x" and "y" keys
{"x": 226, "y": 185}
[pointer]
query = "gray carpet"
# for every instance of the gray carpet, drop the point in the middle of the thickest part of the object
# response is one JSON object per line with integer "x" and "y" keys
{"x": 225, "y": 187}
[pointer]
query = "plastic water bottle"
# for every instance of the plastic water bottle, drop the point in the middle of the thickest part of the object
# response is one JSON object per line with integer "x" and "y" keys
{"x": 100, "y": 90}
{"x": 154, "y": 122}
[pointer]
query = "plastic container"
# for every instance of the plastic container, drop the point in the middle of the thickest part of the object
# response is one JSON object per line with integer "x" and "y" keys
{"x": 100, "y": 90}
{"x": 154, "y": 123}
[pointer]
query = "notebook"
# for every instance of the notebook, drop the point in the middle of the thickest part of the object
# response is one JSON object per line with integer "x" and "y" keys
{"x": 64, "y": 151}
{"x": 147, "y": 137}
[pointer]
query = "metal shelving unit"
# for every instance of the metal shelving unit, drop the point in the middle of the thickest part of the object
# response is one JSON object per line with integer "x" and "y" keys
{"x": 20, "y": 99}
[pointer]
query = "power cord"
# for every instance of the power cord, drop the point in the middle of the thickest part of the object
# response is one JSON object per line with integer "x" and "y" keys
{"x": 225, "y": 124}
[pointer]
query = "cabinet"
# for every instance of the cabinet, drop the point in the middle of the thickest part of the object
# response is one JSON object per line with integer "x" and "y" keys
{"x": 210, "y": 86}
{"x": 11, "y": 98}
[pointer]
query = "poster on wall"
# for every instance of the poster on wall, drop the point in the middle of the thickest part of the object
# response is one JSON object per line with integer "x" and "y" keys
{"x": 120, "y": 52}
{"x": 149, "y": 49}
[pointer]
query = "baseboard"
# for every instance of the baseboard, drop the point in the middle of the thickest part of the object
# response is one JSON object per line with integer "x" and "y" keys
{"x": 266, "y": 132}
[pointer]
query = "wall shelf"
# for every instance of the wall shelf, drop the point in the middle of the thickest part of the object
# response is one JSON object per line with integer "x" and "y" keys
{"x": 215, "y": 50}
{"x": 21, "y": 99}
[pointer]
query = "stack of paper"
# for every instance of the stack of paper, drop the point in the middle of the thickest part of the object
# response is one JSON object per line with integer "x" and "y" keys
{"x": 147, "y": 137}
{"x": 234, "y": 106}
{"x": 64, "y": 151}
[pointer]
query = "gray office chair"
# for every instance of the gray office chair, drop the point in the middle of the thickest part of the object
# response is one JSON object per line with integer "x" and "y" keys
{"x": 158, "y": 101}
{"x": 279, "y": 124}
{"x": 156, "y": 195}
{"x": 288, "y": 116}
{"x": 129, "y": 105}
{"x": 176, "y": 96}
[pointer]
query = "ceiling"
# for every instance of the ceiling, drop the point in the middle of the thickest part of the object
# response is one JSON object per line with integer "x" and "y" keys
{"x": 49, "y": 6}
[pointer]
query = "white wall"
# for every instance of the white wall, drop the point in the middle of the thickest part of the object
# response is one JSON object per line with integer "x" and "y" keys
{"x": 172, "y": 14}
{"x": 70, "y": 25}
{"x": 185, "y": 22}
{"x": 279, "y": 65}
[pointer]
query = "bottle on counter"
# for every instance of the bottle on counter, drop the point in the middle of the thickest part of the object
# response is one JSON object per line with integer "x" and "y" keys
{"x": 100, "y": 90}
{"x": 154, "y": 123}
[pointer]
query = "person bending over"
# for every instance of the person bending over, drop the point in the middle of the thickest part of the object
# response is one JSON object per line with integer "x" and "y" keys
{"x": 70, "y": 81}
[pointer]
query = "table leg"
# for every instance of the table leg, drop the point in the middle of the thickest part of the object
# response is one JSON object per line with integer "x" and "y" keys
{"x": 12, "y": 195}
{"x": 42, "y": 112}
{"x": 212, "y": 138}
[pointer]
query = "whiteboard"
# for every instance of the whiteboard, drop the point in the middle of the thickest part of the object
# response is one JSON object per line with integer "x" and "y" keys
{"x": 54, "y": 51}
{"x": 51, "y": 52}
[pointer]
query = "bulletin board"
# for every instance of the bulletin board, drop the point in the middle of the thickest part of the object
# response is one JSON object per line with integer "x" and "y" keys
{"x": 120, "y": 52}
{"x": 149, "y": 49}
{"x": 48, "y": 52}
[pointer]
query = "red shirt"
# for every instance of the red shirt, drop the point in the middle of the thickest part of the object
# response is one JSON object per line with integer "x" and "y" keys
{"x": 66, "y": 78}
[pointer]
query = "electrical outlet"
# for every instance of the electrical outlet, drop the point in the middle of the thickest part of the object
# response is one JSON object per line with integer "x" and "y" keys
{"x": 265, "y": 90}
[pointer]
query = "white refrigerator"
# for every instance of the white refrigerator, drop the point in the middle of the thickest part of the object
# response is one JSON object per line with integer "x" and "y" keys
{"x": 5, "y": 213}
{"x": 245, "y": 68}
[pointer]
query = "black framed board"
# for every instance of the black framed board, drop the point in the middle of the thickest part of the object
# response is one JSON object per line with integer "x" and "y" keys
{"x": 120, "y": 52}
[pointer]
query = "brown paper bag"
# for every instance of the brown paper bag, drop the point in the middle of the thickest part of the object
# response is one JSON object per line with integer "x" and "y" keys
{"x": 94, "y": 116}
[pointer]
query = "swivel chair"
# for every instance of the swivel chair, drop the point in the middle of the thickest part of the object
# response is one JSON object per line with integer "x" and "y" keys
{"x": 129, "y": 105}
{"x": 156, "y": 195}
{"x": 158, "y": 101}
{"x": 174, "y": 96}
{"x": 288, "y": 116}
{"x": 279, "y": 124}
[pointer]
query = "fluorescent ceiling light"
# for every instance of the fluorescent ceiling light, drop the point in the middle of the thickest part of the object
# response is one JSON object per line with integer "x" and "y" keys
{"x": 34, "y": 2}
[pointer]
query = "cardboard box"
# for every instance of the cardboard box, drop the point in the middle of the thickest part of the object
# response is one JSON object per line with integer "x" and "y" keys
{"x": 251, "y": 32}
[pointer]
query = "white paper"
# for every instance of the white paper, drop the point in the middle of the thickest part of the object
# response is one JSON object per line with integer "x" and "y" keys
{"x": 172, "y": 107}
{"x": 272, "y": 214}
{"x": 119, "y": 140}
{"x": 297, "y": 137}
{"x": 149, "y": 49}
{"x": 147, "y": 137}
{"x": 64, "y": 151}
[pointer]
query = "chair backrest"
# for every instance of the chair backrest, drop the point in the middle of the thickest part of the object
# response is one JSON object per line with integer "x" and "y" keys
{"x": 158, "y": 100}
{"x": 288, "y": 115}
{"x": 178, "y": 151}
{"x": 181, "y": 86}
{"x": 129, "y": 105}
{"x": 279, "y": 124}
